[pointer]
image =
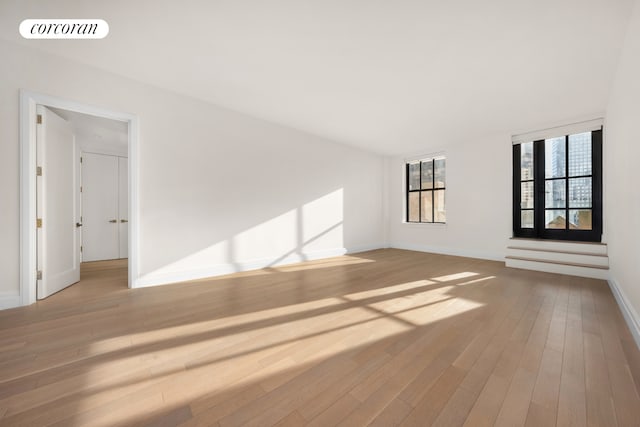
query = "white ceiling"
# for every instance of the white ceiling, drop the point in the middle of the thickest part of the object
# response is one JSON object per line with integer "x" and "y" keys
{"x": 389, "y": 76}
{"x": 96, "y": 132}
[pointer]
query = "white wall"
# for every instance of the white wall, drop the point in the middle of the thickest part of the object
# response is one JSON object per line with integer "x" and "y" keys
{"x": 622, "y": 172}
{"x": 219, "y": 190}
{"x": 92, "y": 144}
{"x": 478, "y": 202}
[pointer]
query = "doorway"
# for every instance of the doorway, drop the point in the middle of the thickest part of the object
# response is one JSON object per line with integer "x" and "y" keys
{"x": 30, "y": 103}
{"x": 104, "y": 206}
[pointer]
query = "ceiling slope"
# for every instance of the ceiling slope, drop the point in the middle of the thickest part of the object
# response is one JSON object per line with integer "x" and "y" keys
{"x": 392, "y": 77}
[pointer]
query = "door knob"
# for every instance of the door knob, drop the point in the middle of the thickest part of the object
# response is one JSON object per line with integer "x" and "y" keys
{"x": 113, "y": 220}
{"x": 78, "y": 224}
{"x": 124, "y": 220}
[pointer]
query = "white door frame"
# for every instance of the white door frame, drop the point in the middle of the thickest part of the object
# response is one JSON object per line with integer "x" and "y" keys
{"x": 28, "y": 253}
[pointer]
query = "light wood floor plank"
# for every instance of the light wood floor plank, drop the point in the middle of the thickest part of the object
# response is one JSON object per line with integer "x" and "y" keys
{"x": 516, "y": 404}
{"x": 544, "y": 400}
{"x": 572, "y": 410}
{"x": 600, "y": 409}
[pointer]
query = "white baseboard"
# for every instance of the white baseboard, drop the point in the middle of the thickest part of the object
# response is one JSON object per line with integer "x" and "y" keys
{"x": 629, "y": 313}
{"x": 365, "y": 248}
{"x": 166, "y": 278}
{"x": 448, "y": 251}
{"x": 9, "y": 300}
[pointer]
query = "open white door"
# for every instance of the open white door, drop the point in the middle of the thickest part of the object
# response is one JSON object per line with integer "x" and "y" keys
{"x": 58, "y": 204}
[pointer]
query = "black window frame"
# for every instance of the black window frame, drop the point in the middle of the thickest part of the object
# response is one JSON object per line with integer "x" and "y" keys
{"x": 539, "y": 231}
{"x": 432, "y": 190}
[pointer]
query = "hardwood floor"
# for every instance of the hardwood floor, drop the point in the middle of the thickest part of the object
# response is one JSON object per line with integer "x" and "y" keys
{"x": 386, "y": 337}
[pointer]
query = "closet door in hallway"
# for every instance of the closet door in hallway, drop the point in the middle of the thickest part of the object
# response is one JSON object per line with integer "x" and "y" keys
{"x": 103, "y": 217}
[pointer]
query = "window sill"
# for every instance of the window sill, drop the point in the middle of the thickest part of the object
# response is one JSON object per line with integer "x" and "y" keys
{"x": 537, "y": 239}
{"x": 424, "y": 224}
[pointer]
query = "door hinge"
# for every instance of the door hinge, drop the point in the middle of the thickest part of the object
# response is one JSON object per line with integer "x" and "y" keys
{"x": 39, "y": 171}
{"x": 80, "y": 159}
{"x": 39, "y": 275}
{"x": 80, "y": 248}
{"x": 81, "y": 188}
{"x": 39, "y": 223}
{"x": 39, "y": 119}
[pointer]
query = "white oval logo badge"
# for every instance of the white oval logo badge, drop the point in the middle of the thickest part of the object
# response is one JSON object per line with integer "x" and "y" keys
{"x": 64, "y": 28}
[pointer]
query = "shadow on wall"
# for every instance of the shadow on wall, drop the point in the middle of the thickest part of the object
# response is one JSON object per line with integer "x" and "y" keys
{"x": 310, "y": 231}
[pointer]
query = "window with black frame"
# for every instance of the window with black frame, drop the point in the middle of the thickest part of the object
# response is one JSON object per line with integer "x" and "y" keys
{"x": 425, "y": 190}
{"x": 557, "y": 187}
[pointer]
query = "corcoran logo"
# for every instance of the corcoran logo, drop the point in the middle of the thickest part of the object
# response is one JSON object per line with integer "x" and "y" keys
{"x": 64, "y": 29}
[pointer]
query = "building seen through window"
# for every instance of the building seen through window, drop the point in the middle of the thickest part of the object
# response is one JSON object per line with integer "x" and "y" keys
{"x": 558, "y": 187}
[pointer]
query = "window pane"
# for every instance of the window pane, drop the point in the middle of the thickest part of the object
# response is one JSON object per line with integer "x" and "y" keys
{"x": 555, "y": 193}
{"x": 414, "y": 207}
{"x": 440, "y": 173}
{"x": 580, "y": 193}
{"x": 526, "y": 219}
{"x": 526, "y": 195}
{"x": 427, "y": 174}
{"x": 555, "y": 219}
{"x": 414, "y": 176}
{"x": 580, "y": 219}
{"x": 526, "y": 161}
{"x": 580, "y": 154}
{"x": 439, "y": 210}
{"x": 554, "y": 158}
{"x": 427, "y": 213}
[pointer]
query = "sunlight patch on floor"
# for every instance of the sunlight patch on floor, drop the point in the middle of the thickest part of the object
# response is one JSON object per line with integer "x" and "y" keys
{"x": 251, "y": 358}
{"x": 445, "y": 309}
{"x": 266, "y": 347}
{"x": 455, "y": 276}
{"x": 471, "y": 282}
{"x": 326, "y": 263}
{"x": 390, "y": 289}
